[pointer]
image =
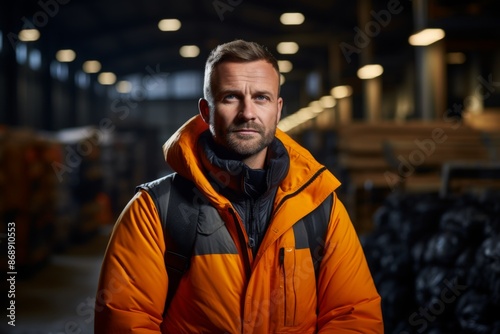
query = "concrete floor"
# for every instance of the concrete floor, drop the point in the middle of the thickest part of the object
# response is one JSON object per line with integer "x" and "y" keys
{"x": 59, "y": 298}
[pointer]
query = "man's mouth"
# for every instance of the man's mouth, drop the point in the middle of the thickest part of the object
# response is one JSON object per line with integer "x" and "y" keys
{"x": 246, "y": 131}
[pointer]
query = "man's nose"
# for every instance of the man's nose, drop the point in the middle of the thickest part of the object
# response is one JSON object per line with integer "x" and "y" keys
{"x": 247, "y": 110}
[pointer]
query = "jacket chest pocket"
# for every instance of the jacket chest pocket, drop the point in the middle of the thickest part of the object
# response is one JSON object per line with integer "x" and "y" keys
{"x": 297, "y": 302}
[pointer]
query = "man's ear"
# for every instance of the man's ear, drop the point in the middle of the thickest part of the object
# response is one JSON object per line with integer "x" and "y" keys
{"x": 204, "y": 110}
{"x": 280, "y": 107}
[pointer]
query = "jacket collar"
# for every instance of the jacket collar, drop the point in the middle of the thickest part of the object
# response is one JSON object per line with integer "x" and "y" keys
{"x": 182, "y": 155}
{"x": 234, "y": 174}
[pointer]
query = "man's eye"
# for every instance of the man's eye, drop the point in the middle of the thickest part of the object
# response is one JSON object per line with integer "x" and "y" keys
{"x": 230, "y": 97}
{"x": 262, "y": 97}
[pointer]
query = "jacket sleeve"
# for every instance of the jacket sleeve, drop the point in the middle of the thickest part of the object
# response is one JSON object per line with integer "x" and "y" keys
{"x": 347, "y": 297}
{"x": 133, "y": 280}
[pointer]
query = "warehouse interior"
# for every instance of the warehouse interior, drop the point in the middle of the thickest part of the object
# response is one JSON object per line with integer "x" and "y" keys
{"x": 400, "y": 99}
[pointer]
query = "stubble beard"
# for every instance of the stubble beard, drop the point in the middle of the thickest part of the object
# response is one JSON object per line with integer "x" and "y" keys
{"x": 247, "y": 145}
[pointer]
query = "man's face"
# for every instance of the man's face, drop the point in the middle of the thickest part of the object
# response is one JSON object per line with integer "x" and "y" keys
{"x": 246, "y": 108}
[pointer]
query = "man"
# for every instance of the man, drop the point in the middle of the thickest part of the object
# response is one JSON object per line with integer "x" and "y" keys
{"x": 252, "y": 268}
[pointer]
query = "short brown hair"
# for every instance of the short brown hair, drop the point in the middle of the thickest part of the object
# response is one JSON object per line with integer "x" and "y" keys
{"x": 237, "y": 51}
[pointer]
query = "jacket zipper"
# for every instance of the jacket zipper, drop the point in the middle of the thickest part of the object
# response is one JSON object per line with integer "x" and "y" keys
{"x": 249, "y": 220}
{"x": 241, "y": 236}
{"x": 314, "y": 177}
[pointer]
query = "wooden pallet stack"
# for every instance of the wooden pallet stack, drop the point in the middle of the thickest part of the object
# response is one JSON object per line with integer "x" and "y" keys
{"x": 385, "y": 157}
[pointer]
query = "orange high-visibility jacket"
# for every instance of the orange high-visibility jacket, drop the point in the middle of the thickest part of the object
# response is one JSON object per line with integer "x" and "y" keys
{"x": 235, "y": 291}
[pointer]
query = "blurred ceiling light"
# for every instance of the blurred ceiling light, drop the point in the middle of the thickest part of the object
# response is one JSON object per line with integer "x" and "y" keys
{"x": 292, "y": 18}
{"x": 307, "y": 113}
{"x": 285, "y": 66}
{"x": 299, "y": 117}
{"x": 370, "y": 71}
{"x": 327, "y": 101}
{"x": 124, "y": 87}
{"x": 169, "y": 25}
{"x": 426, "y": 37}
{"x": 91, "y": 66}
{"x": 189, "y": 51}
{"x": 339, "y": 92}
{"x": 287, "y": 47}
{"x": 106, "y": 78}
{"x": 29, "y": 35}
{"x": 287, "y": 123}
{"x": 282, "y": 79}
{"x": 65, "y": 56}
{"x": 315, "y": 107}
{"x": 455, "y": 58}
